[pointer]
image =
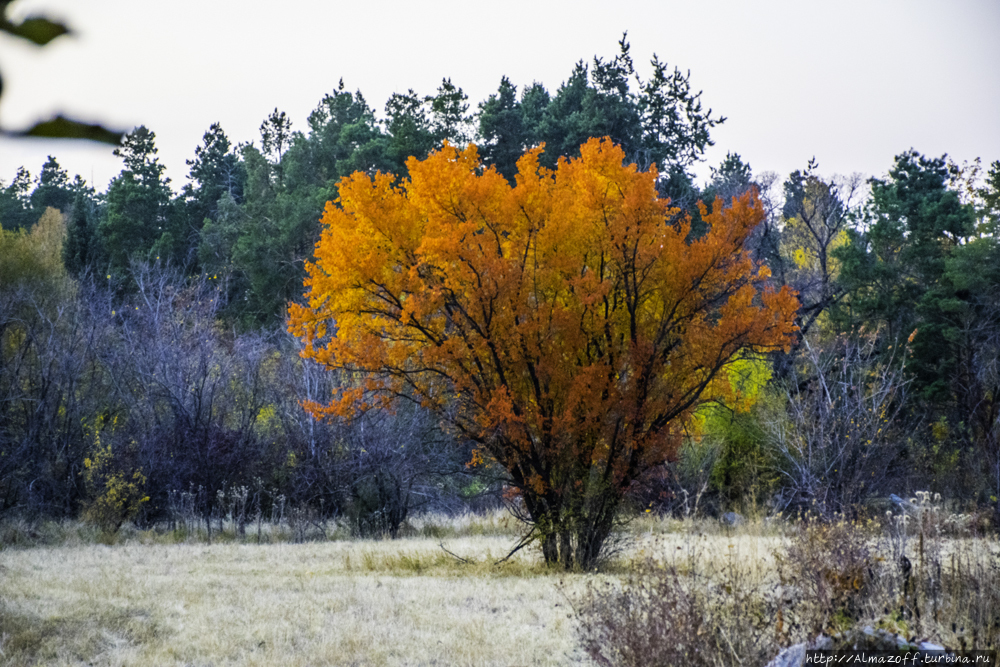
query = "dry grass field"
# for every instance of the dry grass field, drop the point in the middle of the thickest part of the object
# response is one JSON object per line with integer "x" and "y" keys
{"x": 155, "y": 599}
{"x": 339, "y": 603}
{"x": 345, "y": 602}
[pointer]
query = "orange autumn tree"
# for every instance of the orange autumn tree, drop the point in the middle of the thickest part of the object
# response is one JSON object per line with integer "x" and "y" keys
{"x": 566, "y": 324}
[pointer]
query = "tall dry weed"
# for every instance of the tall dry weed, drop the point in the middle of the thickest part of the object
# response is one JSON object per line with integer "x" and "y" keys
{"x": 924, "y": 573}
{"x": 688, "y": 610}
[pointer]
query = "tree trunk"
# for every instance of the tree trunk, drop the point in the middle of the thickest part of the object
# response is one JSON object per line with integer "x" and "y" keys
{"x": 576, "y": 540}
{"x": 550, "y": 549}
{"x": 566, "y": 548}
{"x": 590, "y": 542}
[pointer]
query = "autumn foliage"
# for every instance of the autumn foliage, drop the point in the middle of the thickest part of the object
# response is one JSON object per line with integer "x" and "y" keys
{"x": 570, "y": 325}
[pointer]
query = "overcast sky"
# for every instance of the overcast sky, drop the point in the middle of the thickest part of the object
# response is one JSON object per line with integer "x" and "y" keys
{"x": 852, "y": 83}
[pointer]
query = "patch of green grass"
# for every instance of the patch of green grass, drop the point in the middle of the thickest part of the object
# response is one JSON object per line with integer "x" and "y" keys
{"x": 442, "y": 563}
{"x": 83, "y": 636}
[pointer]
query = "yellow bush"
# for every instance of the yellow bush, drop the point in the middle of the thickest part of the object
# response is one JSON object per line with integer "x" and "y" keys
{"x": 116, "y": 495}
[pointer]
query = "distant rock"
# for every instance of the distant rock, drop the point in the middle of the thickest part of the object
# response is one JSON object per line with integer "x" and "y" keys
{"x": 864, "y": 639}
{"x": 733, "y": 519}
{"x": 793, "y": 656}
{"x": 904, "y": 505}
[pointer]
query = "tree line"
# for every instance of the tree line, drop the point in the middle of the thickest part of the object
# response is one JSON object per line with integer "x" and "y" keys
{"x": 150, "y": 321}
{"x": 249, "y": 212}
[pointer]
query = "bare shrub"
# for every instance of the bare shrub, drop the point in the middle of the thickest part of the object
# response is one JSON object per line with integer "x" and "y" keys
{"x": 679, "y": 488}
{"x": 371, "y": 471}
{"x": 827, "y": 575}
{"x": 947, "y": 585}
{"x": 925, "y": 574}
{"x": 394, "y": 464}
{"x": 51, "y": 392}
{"x": 192, "y": 392}
{"x": 842, "y": 437}
{"x": 679, "y": 613}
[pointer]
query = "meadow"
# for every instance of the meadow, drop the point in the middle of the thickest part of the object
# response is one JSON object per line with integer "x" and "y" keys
{"x": 438, "y": 596}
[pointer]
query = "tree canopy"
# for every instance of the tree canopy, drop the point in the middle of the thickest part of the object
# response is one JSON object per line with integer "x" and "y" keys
{"x": 566, "y": 325}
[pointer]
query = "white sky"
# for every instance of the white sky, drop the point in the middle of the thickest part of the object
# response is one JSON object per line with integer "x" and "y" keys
{"x": 850, "y": 82}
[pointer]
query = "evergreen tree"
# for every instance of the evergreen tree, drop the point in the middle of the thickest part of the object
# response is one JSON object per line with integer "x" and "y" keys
{"x": 275, "y": 134}
{"x": 16, "y": 211}
{"x": 219, "y": 236}
{"x": 730, "y": 179}
{"x": 344, "y": 137}
{"x": 449, "y": 115}
{"x": 417, "y": 125}
{"x": 52, "y": 189}
{"x": 655, "y": 121}
{"x": 596, "y": 102}
{"x": 409, "y": 129}
{"x": 501, "y": 129}
{"x": 266, "y": 239}
{"x": 216, "y": 172}
{"x": 676, "y": 130}
{"x": 895, "y": 268}
{"x": 137, "y": 221}
{"x": 81, "y": 250}
{"x": 990, "y": 195}
{"x": 275, "y": 137}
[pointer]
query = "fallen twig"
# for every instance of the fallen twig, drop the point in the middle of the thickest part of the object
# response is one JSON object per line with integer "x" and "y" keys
{"x": 525, "y": 541}
{"x": 454, "y": 555}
